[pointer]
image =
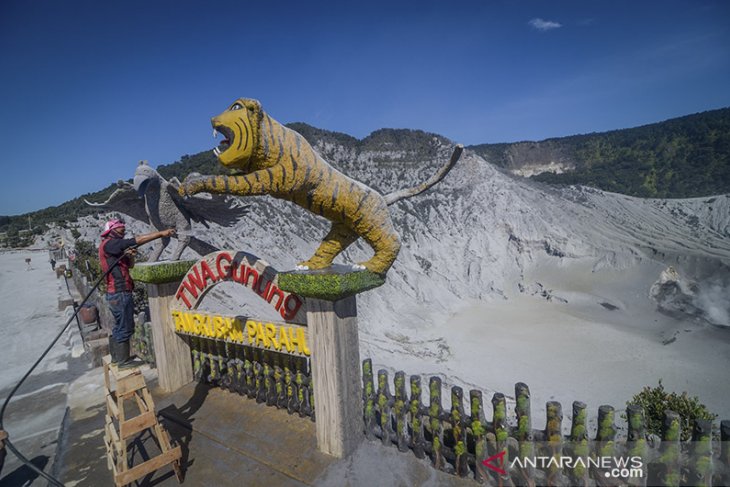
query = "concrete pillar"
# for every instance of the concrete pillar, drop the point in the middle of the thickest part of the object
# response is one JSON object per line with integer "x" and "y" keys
{"x": 332, "y": 320}
{"x": 336, "y": 374}
{"x": 172, "y": 353}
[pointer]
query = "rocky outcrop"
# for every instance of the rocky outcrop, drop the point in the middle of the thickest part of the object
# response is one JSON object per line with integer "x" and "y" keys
{"x": 684, "y": 298}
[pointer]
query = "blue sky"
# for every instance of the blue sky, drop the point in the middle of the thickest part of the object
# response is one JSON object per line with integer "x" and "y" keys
{"x": 90, "y": 88}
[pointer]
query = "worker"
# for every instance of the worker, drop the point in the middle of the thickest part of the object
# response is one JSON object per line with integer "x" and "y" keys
{"x": 3, "y": 437}
{"x": 119, "y": 284}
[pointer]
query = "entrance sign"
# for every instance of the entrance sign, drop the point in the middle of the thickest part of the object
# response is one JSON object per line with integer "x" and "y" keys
{"x": 241, "y": 268}
{"x": 279, "y": 337}
{"x": 253, "y": 273}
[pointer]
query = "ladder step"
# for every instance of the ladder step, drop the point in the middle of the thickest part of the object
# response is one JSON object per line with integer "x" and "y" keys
{"x": 130, "y": 384}
{"x": 114, "y": 369}
{"x": 135, "y": 425}
{"x": 134, "y": 473}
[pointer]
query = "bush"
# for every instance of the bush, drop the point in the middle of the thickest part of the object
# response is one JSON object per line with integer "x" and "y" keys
{"x": 87, "y": 261}
{"x": 656, "y": 400}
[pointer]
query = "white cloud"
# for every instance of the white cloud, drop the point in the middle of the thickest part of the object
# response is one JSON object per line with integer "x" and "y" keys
{"x": 544, "y": 25}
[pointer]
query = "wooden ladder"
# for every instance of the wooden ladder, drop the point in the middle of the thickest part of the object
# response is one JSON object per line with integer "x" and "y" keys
{"x": 120, "y": 428}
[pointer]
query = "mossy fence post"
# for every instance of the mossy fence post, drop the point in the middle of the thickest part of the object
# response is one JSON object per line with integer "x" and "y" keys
{"x": 670, "y": 473}
{"x": 332, "y": 320}
{"x": 172, "y": 353}
{"x": 636, "y": 445}
{"x": 724, "y": 476}
{"x": 524, "y": 429}
{"x": 580, "y": 446}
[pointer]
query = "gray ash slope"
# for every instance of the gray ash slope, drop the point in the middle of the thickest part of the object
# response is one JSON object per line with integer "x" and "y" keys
{"x": 478, "y": 234}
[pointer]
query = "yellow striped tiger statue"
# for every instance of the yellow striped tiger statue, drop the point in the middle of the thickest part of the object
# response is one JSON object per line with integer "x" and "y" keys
{"x": 280, "y": 162}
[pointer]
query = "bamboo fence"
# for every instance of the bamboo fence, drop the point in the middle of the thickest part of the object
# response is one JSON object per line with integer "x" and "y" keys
{"x": 277, "y": 379}
{"x": 459, "y": 442}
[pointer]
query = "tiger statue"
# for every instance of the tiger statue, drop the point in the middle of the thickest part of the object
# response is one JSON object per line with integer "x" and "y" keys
{"x": 278, "y": 161}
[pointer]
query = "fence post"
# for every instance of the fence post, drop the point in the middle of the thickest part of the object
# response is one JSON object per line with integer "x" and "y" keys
{"x": 458, "y": 431}
{"x": 636, "y": 442}
{"x": 478, "y": 429}
{"x": 554, "y": 437}
{"x": 250, "y": 380}
{"x": 400, "y": 410}
{"x": 578, "y": 474}
{"x": 368, "y": 397}
{"x": 724, "y": 478}
{"x": 290, "y": 389}
{"x": 241, "y": 375}
{"x": 385, "y": 401}
{"x": 670, "y": 474}
{"x": 700, "y": 464}
{"x": 416, "y": 412}
{"x": 197, "y": 353}
{"x": 524, "y": 430}
{"x": 260, "y": 383}
{"x": 172, "y": 353}
{"x": 302, "y": 393}
{"x": 270, "y": 385}
{"x": 501, "y": 431}
{"x": 605, "y": 445}
{"x": 435, "y": 415}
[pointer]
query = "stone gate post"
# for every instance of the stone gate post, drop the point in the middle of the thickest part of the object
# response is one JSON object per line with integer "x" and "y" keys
{"x": 172, "y": 353}
{"x": 332, "y": 321}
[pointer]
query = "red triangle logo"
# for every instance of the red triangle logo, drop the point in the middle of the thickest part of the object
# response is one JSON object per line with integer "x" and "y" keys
{"x": 500, "y": 457}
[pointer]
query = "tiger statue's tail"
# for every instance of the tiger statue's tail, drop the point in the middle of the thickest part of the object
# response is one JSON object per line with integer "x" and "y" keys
{"x": 407, "y": 193}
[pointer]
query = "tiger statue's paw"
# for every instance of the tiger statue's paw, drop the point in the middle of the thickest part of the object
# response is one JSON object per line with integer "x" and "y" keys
{"x": 314, "y": 264}
{"x": 193, "y": 183}
{"x": 300, "y": 267}
{"x": 358, "y": 267}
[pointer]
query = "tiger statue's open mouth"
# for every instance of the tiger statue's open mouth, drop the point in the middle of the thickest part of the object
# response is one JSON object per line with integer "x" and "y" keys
{"x": 228, "y": 138}
{"x": 240, "y": 133}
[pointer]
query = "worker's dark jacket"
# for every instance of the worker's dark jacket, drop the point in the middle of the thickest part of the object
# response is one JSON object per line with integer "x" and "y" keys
{"x": 118, "y": 280}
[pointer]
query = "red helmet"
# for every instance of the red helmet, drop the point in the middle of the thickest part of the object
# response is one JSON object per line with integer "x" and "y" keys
{"x": 113, "y": 224}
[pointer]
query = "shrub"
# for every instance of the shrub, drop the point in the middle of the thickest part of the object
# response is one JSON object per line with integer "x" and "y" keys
{"x": 656, "y": 400}
{"x": 87, "y": 260}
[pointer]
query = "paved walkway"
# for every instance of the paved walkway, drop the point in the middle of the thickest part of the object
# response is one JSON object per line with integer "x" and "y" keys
{"x": 226, "y": 439}
{"x": 230, "y": 440}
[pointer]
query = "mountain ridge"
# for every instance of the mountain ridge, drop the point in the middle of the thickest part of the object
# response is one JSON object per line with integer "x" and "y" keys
{"x": 680, "y": 157}
{"x": 346, "y": 151}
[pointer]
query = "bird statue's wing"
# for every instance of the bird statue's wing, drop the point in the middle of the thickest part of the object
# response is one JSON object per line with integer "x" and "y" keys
{"x": 202, "y": 208}
{"x": 125, "y": 200}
